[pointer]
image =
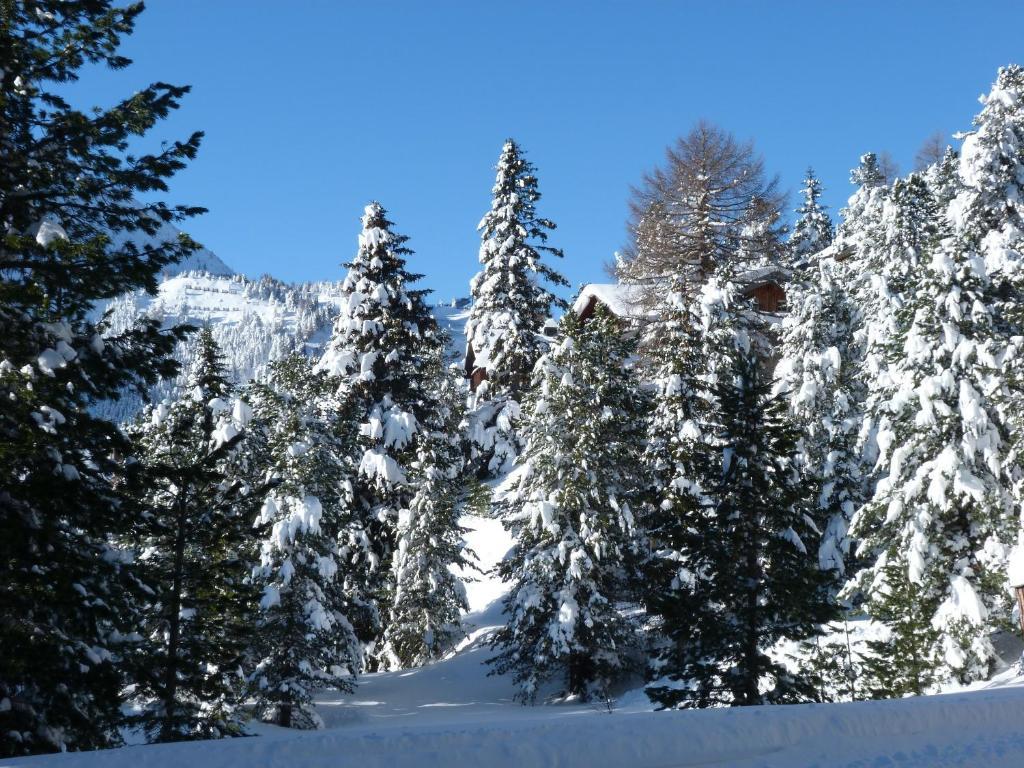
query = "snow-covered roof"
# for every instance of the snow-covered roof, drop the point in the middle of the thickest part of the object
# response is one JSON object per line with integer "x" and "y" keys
{"x": 623, "y": 299}
{"x": 627, "y": 299}
{"x": 763, "y": 275}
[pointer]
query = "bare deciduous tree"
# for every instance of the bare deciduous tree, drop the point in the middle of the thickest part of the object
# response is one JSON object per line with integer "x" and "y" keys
{"x": 709, "y": 204}
{"x": 931, "y": 151}
{"x": 888, "y": 166}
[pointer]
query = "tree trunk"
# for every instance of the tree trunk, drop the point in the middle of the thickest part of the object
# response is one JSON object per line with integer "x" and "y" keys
{"x": 170, "y": 692}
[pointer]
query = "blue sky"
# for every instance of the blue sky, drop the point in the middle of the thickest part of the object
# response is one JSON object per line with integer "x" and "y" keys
{"x": 314, "y": 107}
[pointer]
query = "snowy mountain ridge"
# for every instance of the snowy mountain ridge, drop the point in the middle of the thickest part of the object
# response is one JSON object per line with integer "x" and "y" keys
{"x": 254, "y": 321}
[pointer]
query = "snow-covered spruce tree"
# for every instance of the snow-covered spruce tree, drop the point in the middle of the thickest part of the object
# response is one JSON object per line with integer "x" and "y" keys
{"x": 858, "y": 229}
{"x": 572, "y": 515}
{"x": 943, "y": 178}
{"x": 813, "y": 228}
{"x": 305, "y": 639}
{"x": 817, "y": 377}
{"x": 989, "y": 220}
{"x": 859, "y": 269}
{"x": 424, "y": 621}
{"x": 196, "y": 555}
{"x": 747, "y": 574}
{"x": 943, "y": 515}
{"x": 380, "y": 357}
{"x": 511, "y": 302}
{"x": 68, "y": 597}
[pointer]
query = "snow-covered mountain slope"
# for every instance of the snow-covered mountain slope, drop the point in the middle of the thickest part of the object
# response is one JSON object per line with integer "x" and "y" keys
{"x": 253, "y": 321}
{"x": 203, "y": 260}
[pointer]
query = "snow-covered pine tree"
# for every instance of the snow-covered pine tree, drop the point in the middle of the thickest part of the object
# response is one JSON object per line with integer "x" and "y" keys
{"x": 511, "y": 302}
{"x": 746, "y": 575}
{"x": 989, "y": 221}
{"x": 68, "y": 601}
{"x": 813, "y": 228}
{"x": 425, "y": 616}
{"x": 860, "y": 267}
{"x": 572, "y": 515}
{"x": 379, "y": 355}
{"x": 943, "y": 515}
{"x": 305, "y": 638}
{"x": 817, "y": 377}
{"x": 197, "y": 549}
{"x": 858, "y": 229}
{"x": 943, "y": 178}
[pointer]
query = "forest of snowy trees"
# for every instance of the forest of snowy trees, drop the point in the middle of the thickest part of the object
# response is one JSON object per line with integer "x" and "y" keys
{"x": 690, "y": 486}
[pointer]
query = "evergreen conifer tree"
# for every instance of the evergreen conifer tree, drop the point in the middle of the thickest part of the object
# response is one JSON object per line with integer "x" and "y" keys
{"x": 572, "y": 514}
{"x": 813, "y": 228}
{"x": 197, "y": 554}
{"x": 425, "y": 620}
{"x": 816, "y": 375}
{"x": 943, "y": 178}
{"x": 380, "y": 355}
{"x": 743, "y": 575}
{"x": 68, "y": 599}
{"x": 943, "y": 514}
{"x": 305, "y": 638}
{"x": 905, "y": 660}
{"x": 989, "y": 222}
{"x": 511, "y": 303}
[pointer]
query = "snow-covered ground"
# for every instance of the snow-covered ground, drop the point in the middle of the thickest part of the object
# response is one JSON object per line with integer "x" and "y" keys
{"x": 453, "y": 714}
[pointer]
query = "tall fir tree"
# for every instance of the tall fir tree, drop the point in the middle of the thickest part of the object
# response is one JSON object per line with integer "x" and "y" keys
{"x": 425, "y": 620}
{"x": 812, "y": 231}
{"x": 197, "y": 548}
{"x": 859, "y": 267}
{"x": 739, "y": 572}
{"x": 69, "y": 601}
{"x": 512, "y": 301}
{"x": 572, "y": 513}
{"x": 380, "y": 356}
{"x": 311, "y": 593}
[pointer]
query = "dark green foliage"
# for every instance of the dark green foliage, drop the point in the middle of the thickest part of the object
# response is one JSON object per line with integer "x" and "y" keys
{"x": 742, "y": 572}
{"x": 831, "y": 665}
{"x": 197, "y": 551}
{"x": 572, "y": 514}
{"x": 69, "y": 599}
{"x": 905, "y": 662}
{"x": 301, "y": 442}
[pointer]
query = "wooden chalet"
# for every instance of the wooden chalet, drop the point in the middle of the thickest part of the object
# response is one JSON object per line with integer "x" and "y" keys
{"x": 766, "y": 286}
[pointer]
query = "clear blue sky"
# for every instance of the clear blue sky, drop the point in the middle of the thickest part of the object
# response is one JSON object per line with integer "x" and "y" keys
{"x": 314, "y": 107}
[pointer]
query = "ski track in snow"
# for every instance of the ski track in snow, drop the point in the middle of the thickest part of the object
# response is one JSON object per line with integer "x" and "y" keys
{"x": 453, "y": 714}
